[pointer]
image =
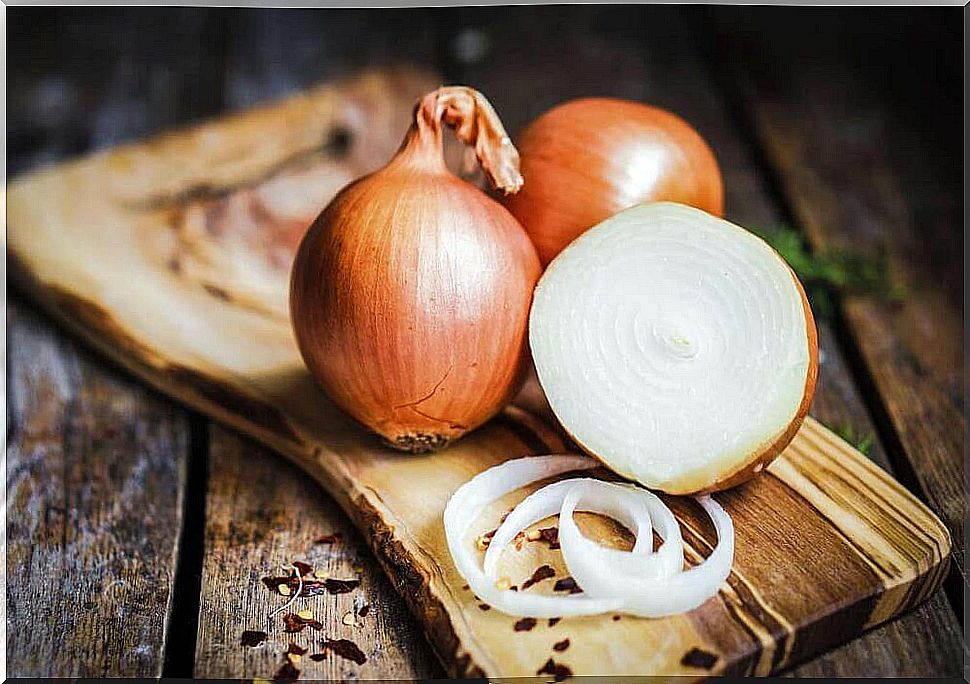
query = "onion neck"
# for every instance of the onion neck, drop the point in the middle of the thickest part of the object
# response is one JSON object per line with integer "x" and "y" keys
{"x": 476, "y": 124}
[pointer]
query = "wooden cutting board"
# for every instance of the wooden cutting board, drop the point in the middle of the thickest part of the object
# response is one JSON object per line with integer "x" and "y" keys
{"x": 171, "y": 256}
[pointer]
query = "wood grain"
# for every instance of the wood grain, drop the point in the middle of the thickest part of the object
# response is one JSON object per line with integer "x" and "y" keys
{"x": 96, "y": 464}
{"x": 262, "y": 512}
{"x": 856, "y": 544}
{"x": 857, "y": 175}
{"x": 650, "y": 54}
{"x": 95, "y": 479}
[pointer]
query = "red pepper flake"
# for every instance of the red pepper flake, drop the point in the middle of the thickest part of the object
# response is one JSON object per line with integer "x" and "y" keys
{"x": 513, "y": 588}
{"x": 484, "y": 606}
{"x": 561, "y": 645}
{"x": 286, "y": 673}
{"x": 295, "y": 650}
{"x": 345, "y": 648}
{"x": 312, "y": 587}
{"x": 252, "y": 638}
{"x": 558, "y": 672}
{"x": 317, "y": 657}
{"x": 329, "y": 538}
{"x": 465, "y": 587}
{"x": 542, "y": 572}
{"x": 337, "y": 586}
{"x": 697, "y": 657}
{"x": 553, "y": 621}
{"x": 525, "y": 624}
{"x": 303, "y": 568}
{"x": 567, "y": 584}
{"x": 616, "y": 618}
{"x": 294, "y": 623}
{"x": 363, "y": 610}
{"x": 550, "y": 535}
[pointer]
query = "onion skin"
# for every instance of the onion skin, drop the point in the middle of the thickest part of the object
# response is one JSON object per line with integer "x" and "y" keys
{"x": 410, "y": 293}
{"x": 587, "y": 159}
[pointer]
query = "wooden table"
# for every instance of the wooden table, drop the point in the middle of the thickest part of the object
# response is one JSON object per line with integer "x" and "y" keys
{"x": 137, "y": 530}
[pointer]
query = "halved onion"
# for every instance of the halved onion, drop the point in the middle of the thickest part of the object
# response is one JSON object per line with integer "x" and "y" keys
{"x": 639, "y": 582}
{"x": 676, "y": 347}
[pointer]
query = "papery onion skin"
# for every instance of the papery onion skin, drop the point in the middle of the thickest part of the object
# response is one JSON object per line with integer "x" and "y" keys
{"x": 410, "y": 293}
{"x": 587, "y": 159}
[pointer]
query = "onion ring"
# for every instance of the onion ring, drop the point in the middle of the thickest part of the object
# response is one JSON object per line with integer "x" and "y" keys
{"x": 639, "y": 582}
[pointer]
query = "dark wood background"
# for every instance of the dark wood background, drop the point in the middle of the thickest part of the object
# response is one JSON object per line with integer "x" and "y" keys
{"x": 135, "y": 526}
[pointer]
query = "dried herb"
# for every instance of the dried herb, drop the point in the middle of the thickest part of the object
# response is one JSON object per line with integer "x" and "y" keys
{"x": 513, "y": 588}
{"x": 697, "y": 657}
{"x": 525, "y": 624}
{"x": 558, "y": 672}
{"x": 542, "y": 572}
{"x": 484, "y": 606}
{"x": 317, "y": 657}
{"x": 329, "y": 538}
{"x": 553, "y": 621}
{"x": 616, "y": 618}
{"x": 835, "y": 270}
{"x": 295, "y": 650}
{"x": 567, "y": 584}
{"x": 345, "y": 648}
{"x": 253, "y": 638}
{"x": 561, "y": 645}
{"x": 853, "y": 436}
{"x": 286, "y": 673}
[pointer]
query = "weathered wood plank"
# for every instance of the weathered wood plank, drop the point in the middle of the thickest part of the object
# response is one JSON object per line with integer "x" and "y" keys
{"x": 273, "y": 511}
{"x": 649, "y": 54}
{"x": 863, "y": 149}
{"x": 262, "y": 512}
{"x": 95, "y": 470}
{"x": 95, "y": 598}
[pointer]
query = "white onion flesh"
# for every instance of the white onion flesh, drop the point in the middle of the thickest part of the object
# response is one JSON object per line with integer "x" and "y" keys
{"x": 638, "y": 582}
{"x": 671, "y": 344}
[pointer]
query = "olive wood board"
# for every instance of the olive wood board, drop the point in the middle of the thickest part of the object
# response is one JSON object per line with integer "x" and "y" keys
{"x": 171, "y": 257}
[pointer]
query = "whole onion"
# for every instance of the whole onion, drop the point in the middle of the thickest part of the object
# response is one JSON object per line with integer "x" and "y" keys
{"x": 587, "y": 159}
{"x": 410, "y": 293}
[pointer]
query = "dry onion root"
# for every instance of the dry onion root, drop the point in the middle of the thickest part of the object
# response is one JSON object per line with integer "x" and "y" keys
{"x": 639, "y": 582}
{"x": 676, "y": 347}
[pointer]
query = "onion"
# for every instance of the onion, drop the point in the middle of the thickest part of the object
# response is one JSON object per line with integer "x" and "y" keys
{"x": 587, "y": 159}
{"x": 410, "y": 293}
{"x": 639, "y": 582}
{"x": 467, "y": 503}
{"x": 677, "y": 348}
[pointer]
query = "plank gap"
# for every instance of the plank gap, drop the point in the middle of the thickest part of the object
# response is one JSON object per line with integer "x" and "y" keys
{"x": 182, "y": 625}
{"x": 859, "y": 371}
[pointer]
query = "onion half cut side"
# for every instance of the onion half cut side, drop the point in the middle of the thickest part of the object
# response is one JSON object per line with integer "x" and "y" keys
{"x": 676, "y": 347}
{"x": 640, "y": 582}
